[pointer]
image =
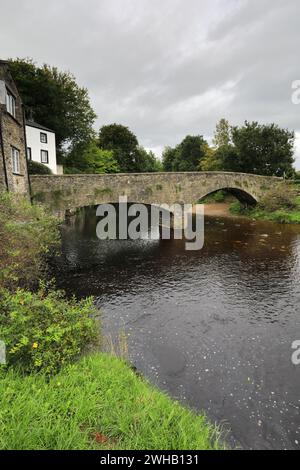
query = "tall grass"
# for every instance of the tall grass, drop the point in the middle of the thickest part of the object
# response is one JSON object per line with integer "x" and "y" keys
{"x": 27, "y": 235}
{"x": 98, "y": 403}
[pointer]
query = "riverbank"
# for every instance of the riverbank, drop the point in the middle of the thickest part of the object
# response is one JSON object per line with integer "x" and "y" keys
{"x": 51, "y": 396}
{"x": 278, "y": 205}
{"x": 97, "y": 403}
{"x": 281, "y": 215}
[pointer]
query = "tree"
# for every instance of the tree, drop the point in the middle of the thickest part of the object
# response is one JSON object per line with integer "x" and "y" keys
{"x": 123, "y": 143}
{"x": 146, "y": 162}
{"x": 211, "y": 161}
{"x": 263, "y": 149}
{"x": 189, "y": 153}
{"x": 186, "y": 156}
{"x": 99, "y": 161}
{"x": 92, "y": 160}
{"x": 227, "y": 158}
{"x": 55, "y": 100}
{"x": 168, "y": 158}
{"x": 222, "y": 135}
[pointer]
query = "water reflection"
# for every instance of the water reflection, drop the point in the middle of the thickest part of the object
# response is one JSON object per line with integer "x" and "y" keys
{"x": 214, "y": 328}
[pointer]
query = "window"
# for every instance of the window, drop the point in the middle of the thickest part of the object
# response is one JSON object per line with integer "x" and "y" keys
{"x": 10, "y": 103}
{"x": 29, "y": 155}
{"x": 44, "y": 156}
{"x": 44, "y": 138}
{"x": 15, "y": 160}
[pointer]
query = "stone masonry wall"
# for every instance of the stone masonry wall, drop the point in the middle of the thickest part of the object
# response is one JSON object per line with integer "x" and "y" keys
{"x": 2, "y": 173}
{"x": 68, "y": 192}
{"x": 12, "y": 135}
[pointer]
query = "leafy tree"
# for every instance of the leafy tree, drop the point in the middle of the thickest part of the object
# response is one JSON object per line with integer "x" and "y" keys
{"x": 99, "y": 161}
{"x": 92, "y": 159}
{"x": 222, "y": 135}
{"x": 211, "y": 161}
{"x": 55, "y": 100}
{"x": 187, "y": 156}
{"x": 189, "y": 153}
{"x": 227, "y": 158}
{"x": 168, "y": 158}
{"x": 123, "y": 143}
{"x": 146, "y": 162}
{"x": 262, "y": 149}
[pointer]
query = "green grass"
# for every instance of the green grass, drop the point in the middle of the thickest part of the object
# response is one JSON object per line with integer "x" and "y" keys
{"x": 282, "y": 216}
{"x": 97, "y": 403}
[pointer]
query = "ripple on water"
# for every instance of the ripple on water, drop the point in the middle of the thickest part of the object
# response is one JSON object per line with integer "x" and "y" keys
{"x": 213, "y": 328}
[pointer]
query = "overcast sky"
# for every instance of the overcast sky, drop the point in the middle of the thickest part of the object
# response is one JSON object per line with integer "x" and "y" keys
{"x": 167, "y": 68}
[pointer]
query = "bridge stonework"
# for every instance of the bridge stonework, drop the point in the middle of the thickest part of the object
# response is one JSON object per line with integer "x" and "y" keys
{"x": 69, "y": 192}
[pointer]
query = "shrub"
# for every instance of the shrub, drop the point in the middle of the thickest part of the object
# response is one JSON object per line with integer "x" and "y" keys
{"x": 71, "y": 171}
{"x": 43, "y": 331}
{"x": 236, "y": 208}
{"x": 36, "y": 168}
{"x": 27, "y": 233}
{"x": 280, "y": 197}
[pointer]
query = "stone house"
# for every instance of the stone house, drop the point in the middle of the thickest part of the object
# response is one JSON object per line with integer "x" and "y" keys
{"x": 13, "y": 161}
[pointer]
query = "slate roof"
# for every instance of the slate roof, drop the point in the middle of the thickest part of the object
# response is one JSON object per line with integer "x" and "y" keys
{"x": 38, "y": 126}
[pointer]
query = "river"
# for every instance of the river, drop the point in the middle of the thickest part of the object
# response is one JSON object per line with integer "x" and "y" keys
{"x": 214, "y": 328}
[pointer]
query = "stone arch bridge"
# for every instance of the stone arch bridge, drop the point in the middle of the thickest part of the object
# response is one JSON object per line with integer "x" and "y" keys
{"x": 69, "y": 192}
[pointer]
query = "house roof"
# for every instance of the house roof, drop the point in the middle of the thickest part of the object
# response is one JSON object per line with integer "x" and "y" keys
{"x": 38, "y": 126}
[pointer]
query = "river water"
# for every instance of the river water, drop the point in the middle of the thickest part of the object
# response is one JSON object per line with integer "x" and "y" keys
{"x": 214, "y": 328}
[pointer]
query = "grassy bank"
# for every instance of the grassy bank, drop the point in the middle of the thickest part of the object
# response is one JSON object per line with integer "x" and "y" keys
{"x": 281, "y": 204}
{"x": 51, "y": 396}
{"x": 97, "y": 403}
{"x": 282, "y": 214}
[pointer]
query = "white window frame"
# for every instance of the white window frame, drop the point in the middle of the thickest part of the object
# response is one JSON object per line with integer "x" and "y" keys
{"x": 10, "y": 103}
{"x": 44, "y": 152}
{"x": 43, "y": 135}
{"x": 15, "y": 154}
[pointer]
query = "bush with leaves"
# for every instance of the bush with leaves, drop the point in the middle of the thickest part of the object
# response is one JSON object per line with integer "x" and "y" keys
{"x": 36, "y": 168}
{"x": 43, "y": 331}
{"x": 28, "y": 234}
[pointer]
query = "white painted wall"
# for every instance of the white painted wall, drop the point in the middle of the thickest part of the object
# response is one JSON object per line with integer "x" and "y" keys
{"x": 33, "y": 137}
{"x": 59, "y": 169}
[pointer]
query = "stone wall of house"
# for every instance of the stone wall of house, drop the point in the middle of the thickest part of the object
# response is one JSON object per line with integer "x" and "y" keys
{"x": 2, "y": 172}
{"x": 12, "y": 135}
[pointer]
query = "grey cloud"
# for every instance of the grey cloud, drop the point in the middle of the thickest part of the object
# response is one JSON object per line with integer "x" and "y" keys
{"x": 167, "y": 68}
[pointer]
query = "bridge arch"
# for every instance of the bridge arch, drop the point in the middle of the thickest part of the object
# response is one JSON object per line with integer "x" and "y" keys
{"x": 240, "y": 194}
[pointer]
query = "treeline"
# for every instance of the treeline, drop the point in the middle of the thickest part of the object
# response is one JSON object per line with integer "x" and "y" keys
{"x": 55, "y": 100}
{"x": 116, "y": 149}
{"x": 251, "y": 148}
